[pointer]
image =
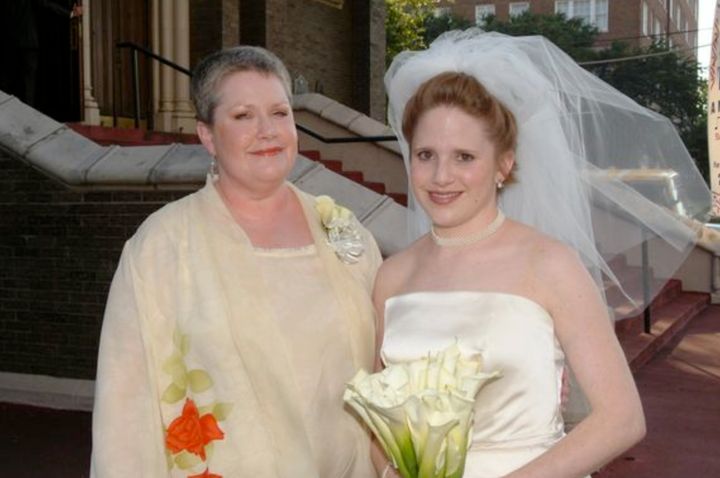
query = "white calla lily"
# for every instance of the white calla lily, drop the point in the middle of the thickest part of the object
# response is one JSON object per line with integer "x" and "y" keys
{"x": 422, "y": 411}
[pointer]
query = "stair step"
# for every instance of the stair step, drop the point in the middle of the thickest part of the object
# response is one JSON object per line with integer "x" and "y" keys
{"x": 375, "y": 186}
{"x": 399, "y": 198}
{"x": 356, "y": 176}
{"x": 131, "y": 136}
{"x": 311, "y": 154}
{"x": 332, "y": 164}
{"x": 667, "y": 321}
{"x": 670, "y": 291}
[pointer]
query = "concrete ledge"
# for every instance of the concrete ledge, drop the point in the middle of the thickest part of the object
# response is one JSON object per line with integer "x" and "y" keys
{"x": 360, "y": 200}
{"x": 345, "y": 117}
{"x": 61, "y": 153}
{"x": 130, "y": 165}
{"x": 314, "y": 102}
{"x": 22, "y": 126}
{"x": 182, "y": 164}
{"x": 340, "y": 114}
{"x": 66, "y": 156}
{"x": 388, "y": 223}
{"x": 48, "y": 392}
{"x": 302, "y": 167}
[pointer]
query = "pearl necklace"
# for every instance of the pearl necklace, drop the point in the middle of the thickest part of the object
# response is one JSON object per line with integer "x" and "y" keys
{"x": 489, "y": 230}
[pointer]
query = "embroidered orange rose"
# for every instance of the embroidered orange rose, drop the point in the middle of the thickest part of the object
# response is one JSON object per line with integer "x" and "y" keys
{"x": 192, "y": 432}
{"x": 207, "y": 474}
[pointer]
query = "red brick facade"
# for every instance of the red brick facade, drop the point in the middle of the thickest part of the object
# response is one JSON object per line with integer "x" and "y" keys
{"x": 339, "y": 51}
{"x": 625, "y": 18}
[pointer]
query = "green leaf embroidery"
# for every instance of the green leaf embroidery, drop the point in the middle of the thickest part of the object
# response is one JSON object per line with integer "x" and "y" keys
{"x": 222, "y": 410}
{"x": 175, "y": 367}
{"x": 184, "y": 345}
{"x": 173, "y": 394}
{"x": 199, "y": 380}
{"x": 185, "y": 460}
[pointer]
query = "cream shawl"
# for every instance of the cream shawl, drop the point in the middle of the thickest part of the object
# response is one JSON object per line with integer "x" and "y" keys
{"x": 189, "y": 352}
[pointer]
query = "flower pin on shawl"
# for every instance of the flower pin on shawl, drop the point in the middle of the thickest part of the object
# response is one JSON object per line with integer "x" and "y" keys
{"x": 343, "y": 235}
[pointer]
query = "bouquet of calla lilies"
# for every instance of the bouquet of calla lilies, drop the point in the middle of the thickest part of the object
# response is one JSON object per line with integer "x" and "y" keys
{"x": 422, "y": 411}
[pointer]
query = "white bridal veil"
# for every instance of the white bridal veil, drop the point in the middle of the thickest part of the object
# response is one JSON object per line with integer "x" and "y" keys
{"x": 595, "y": 169}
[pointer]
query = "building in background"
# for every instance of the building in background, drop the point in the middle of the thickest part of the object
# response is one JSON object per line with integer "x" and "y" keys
{"x": 334, "y": 47}
{"x": 636, "y": 22}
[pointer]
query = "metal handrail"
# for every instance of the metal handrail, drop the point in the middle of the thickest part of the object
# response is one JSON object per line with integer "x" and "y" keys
{"x": 344, "y": 139}
{"x": 164, "y": 61}
{"x": 135, "y": 48}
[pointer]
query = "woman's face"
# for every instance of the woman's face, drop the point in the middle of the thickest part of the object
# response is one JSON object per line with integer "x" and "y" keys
{"x": 454, "y": 169}
{"x": 253, "y": 136}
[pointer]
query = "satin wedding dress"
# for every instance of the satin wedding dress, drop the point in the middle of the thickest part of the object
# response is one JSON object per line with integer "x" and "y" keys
{"x": 518, "y": 416}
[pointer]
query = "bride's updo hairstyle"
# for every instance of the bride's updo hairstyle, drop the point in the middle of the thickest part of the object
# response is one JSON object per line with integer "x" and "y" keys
{"x": 469, "y": 95}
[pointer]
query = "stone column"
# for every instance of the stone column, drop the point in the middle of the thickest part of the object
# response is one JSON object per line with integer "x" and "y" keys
{"x": 91, "y": 113}
{"x": 183, "y": 114}
{"x": 166, "y": 93}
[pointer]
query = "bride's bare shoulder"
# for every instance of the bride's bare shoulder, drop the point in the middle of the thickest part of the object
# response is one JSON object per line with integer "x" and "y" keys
{"x": 396, "y": 269}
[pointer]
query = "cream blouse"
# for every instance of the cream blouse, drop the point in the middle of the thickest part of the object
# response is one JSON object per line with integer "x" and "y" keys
{"x": 309, "y": 319}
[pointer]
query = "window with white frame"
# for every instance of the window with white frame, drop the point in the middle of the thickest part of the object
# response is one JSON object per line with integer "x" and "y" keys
{"x": 482, "y": 12}
{"x": 658, "y": 30}
{"x": 644, "y": 19}
{"x": 518, "y": 8}
{"x": 593, "y": 12}
{"x": 678, "y": 17}
{"x": 441, "y": 11}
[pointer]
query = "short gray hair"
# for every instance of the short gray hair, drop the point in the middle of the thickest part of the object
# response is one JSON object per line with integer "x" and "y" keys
{"x": 214, "y": 68}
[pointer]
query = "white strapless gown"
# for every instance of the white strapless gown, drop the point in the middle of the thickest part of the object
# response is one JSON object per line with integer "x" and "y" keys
{"x": 518, "y": 416}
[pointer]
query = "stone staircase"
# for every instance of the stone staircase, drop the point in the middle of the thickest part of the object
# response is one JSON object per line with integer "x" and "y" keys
{"x": 356, "y": 176}
{"x": 107, "y": 136}
{"x": 671, "y": 311}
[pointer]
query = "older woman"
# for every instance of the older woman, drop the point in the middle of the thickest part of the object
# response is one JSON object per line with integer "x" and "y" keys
{"x": 232, "y": 322}
{"x": 503, "y": 268}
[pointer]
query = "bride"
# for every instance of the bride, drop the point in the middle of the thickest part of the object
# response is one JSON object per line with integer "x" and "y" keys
{"x": 507, "y": 266}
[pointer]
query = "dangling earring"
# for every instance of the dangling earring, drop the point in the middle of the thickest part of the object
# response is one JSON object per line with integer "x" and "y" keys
{"x": 214, "y": 168}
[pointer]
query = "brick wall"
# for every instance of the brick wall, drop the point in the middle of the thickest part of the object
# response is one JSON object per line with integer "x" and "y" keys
{"x": 624, "y": 21}
{"x": 331, "y": 48}
{"x": 58, "y": 253}
{"x": 340, "y": 52}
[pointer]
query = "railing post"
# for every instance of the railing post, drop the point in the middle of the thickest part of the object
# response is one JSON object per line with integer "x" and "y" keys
{"x": 136, "y": 87}
{"x": 647, "y": 319}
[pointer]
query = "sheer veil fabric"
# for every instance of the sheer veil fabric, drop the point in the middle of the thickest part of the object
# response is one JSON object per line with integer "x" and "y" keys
{"x": 594, "y": 169}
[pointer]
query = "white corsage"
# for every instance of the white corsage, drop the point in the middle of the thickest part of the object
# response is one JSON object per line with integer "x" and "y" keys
{"x": 341, "y": 226}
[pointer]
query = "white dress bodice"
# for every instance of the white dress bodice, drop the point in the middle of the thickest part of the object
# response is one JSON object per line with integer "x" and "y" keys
{"x": 518, "y": 416}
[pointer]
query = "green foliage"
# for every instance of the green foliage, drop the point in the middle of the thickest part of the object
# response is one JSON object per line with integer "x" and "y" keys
{"x": 435, "y": 26}
{"x": 405, "y": 25}
{"x": 573, "y": 36}
{"x": 669, "y": 84}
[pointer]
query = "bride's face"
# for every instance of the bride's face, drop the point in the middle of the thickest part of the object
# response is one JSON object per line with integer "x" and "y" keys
{"x": 454, "y": 170}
